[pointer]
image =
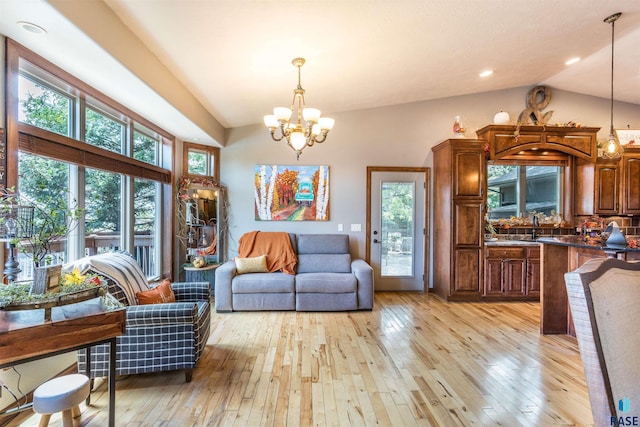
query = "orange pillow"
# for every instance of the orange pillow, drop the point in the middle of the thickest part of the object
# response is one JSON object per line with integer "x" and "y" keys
{"x": 159, "y": 294}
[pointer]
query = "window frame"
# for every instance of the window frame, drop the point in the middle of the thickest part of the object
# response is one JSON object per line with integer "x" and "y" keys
{"x": 213, "y": 154}
{"x": 34, "y": 140}
{"x": 564, "y": 177}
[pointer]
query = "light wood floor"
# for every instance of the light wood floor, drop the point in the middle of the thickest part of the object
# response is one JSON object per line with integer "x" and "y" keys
{"x": 413, "y": 360}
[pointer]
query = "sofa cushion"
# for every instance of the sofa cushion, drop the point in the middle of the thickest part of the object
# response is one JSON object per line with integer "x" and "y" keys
{"x": 262, "y": 283}
{"x": 252, "y": 265}
{"x": 326, "y": 283}
{"x": 323, "y": 244}
{"x": 324, "y": 263}
{"x": 158, "y": 295}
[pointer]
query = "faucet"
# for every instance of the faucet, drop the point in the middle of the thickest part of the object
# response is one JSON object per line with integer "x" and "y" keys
{"x": 534, "y": 224}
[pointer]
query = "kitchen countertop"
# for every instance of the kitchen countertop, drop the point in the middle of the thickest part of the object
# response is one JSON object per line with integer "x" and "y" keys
{"x": 579, "y": 242}
{"x": 501, "y": 242}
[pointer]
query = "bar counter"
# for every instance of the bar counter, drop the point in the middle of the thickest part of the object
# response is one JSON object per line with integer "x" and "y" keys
{"x": 562, "y": 254}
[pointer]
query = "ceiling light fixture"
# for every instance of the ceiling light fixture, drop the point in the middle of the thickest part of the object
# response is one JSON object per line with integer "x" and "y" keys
{"x": 308, "y": 128}
{"x": 32, "y": 28}
{"x": 572, "y": 61}
{"x": 486, "y": 73}
{"x": 612, "y": 148}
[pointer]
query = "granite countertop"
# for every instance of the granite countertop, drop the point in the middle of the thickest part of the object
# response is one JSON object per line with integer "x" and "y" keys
{"x": 506, "y": 242}
{"x": 579, "y": 242}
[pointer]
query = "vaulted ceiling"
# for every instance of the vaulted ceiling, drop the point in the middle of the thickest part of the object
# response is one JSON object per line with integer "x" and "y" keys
{"x": 198, "y": 66}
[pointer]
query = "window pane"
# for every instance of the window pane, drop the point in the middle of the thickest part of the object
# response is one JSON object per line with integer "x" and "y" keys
{"x": 102, "y": 211}
{"x": 145, "y": 148}
{"x": 198, "y": 162}
{"x": 43, "y": 107}
{"x": 542, "y": 189}
{"x": 44, "y": 183}
{"x": 502, "y": 197}
{"x": 397, "y": 232}
{"x": 104, "y": 132}
{"x": 146, "y": 201}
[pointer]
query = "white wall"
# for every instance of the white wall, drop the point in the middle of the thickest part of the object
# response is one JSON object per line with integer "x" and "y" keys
{"x": 390, "y": 136}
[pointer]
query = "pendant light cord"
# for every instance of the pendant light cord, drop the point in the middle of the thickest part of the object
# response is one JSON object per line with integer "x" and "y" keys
{"x": 613, "y": 24}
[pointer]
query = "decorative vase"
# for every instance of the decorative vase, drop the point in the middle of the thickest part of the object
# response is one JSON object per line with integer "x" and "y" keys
{"x": 616, "y": 239}
{"x": 458, "y": 128}
{"x": 46, "y": 279}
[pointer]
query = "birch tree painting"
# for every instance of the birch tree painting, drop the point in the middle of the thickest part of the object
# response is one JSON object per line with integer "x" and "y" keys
{"x": 291, "y": 193}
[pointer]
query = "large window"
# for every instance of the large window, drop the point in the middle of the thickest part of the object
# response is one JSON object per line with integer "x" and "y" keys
{"x": 518, "y": 191}
{"x": 79, "y": 147}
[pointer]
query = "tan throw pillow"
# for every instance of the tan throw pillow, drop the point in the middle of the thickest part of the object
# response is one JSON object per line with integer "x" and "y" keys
{"x": 158, "y": 295}
{"x": 252, "y": 265}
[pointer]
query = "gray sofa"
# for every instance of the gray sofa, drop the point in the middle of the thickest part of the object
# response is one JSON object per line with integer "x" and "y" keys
{"x": 326, "y": 279}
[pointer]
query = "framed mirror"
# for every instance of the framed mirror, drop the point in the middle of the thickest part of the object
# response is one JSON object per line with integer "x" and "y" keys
{"x": 201, "y": 220}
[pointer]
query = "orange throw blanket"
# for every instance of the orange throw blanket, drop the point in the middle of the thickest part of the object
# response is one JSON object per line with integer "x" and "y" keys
{"x": 276, "y": 245}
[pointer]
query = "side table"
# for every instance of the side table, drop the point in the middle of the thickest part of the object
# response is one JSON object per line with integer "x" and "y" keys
{"x": 203, "y": 274}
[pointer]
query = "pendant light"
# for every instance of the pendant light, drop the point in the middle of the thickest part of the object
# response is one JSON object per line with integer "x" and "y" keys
{"x": 612, "y": 147}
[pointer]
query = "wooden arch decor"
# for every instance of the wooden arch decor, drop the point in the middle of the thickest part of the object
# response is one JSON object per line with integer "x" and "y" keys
{"x": 507, "y": 142}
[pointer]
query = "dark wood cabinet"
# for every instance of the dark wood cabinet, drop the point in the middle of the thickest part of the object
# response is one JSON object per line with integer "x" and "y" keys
{"x": 608, "y": 186}
{"x": 512, "y": 272}
{"x": 533, "y": 272}
{"x": 631, "y": 184}
{"x": 458, "y": 203}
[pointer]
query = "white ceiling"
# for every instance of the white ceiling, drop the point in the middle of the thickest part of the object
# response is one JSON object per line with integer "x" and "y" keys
{"x": 233, "y": 57}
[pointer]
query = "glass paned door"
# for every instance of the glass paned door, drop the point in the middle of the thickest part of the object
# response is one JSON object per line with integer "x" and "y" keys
{"x": 398, "y": 232}
{"x": 397, "y": 228}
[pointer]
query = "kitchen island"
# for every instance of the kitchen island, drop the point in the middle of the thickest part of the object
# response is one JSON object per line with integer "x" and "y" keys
{"x": 560, "y": 255}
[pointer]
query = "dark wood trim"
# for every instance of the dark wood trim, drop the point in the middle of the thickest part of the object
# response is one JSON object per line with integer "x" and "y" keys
{"x": 16, "y": 51}
{"x": 427, "y": 212}
{"x": 21, "y": 136}
{"x": 212, "y": 151}
{"x": 50, "y": 144}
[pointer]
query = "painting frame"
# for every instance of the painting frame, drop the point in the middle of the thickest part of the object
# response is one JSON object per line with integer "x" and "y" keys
{"x": 629, "y": 137}
{"x": 291, "y": 192}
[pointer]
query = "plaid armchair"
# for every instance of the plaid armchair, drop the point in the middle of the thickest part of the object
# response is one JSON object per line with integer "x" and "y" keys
{"x": 158, "y": 337}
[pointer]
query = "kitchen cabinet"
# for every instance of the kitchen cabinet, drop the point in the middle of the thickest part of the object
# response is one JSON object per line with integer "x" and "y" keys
{"x": 512, "y": 272}
{"x": 459, "y": 206}
{"x": 533, "y": 272}
{"x": 630, "y": 199}
{"x": 609, "y": 186}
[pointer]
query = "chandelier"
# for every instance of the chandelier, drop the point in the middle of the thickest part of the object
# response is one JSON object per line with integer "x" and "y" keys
{"x": 308, "y": 127}
{"x": 612, "y": 147}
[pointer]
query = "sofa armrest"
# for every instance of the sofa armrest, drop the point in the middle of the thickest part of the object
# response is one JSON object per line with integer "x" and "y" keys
{"x": 191, "y": 291}
{"x": 161, "y": 314}
{"x": 224, "y": 276}
{"x": 364, "y": 275}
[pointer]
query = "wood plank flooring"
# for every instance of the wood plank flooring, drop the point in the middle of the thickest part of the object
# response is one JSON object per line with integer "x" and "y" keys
{"x": 413, "y": 361}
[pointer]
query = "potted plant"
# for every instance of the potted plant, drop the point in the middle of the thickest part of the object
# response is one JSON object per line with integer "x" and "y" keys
{"x": 53, "y": 219}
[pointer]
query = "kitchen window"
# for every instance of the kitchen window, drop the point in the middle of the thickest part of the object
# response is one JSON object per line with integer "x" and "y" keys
{"x": 519, "y": 190}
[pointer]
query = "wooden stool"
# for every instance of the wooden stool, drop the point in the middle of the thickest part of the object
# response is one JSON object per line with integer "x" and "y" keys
{"x": 62, "y": 394}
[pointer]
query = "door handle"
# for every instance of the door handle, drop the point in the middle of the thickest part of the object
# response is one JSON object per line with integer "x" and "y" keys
{"x": 376, "y": 241}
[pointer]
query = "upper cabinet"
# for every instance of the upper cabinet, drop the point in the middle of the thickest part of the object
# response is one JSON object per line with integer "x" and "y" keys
{"x": 609, "y": 187}
{"x": 630, "y": 199}
{"x": 535, "y": 142}
{"x": 469, "y": 169}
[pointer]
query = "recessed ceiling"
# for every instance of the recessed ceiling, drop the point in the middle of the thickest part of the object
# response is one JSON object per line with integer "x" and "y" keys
{"x": 234, "y": 57}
